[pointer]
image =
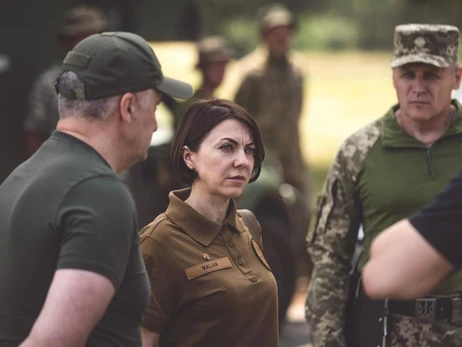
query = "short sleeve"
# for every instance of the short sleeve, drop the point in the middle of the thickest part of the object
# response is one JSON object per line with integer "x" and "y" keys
{"x": 162, "y": 272}
{"x": 440, "y": 222}
{"x": 98, "y": 225}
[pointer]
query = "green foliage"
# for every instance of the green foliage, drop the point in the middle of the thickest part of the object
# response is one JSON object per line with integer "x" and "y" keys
{"x": 242, "y": 33}
{"x": 322, "y": 32}
{"x": 326, "y": 32}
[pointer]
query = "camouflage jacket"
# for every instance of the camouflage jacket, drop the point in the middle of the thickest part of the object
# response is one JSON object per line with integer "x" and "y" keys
{"x": 379, "y": 176}
{"x": 272, "y": 91}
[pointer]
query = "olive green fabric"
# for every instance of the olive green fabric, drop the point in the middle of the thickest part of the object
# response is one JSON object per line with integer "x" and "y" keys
{"x": 65, "y": 208}
{"x": 114, "y": 63}
{"x": 223, "y": 306}
{"x": 379, "y": 176}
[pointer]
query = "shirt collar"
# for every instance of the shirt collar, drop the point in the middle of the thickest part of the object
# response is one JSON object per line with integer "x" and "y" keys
{"x": 197, "y": 226}
{"x": 395, "y": 136}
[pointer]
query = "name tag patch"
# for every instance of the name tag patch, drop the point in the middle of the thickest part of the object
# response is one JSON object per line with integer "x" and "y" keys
{"x": 207, "y": 267}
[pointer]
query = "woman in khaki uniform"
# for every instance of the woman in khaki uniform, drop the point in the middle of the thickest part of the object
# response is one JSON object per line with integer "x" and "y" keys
{"x": 210, "y": 284}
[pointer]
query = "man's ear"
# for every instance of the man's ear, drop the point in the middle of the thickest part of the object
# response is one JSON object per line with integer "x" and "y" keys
{"x": 126, "y": 105}
{"x": 188, "y": 157}
{"x": 458, "y": 78}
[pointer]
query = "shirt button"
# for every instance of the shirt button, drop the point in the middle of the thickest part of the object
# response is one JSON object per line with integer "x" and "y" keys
{"x": 230, "y": 243}
{"x": 240, "y": 262}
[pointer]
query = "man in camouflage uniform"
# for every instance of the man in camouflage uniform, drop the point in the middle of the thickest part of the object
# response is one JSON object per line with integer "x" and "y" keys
{"x": 42, "y": 115}
{"x": 214, "y": 55}
{"x": 272, "y": 91}
{"x": 382, "y": 174}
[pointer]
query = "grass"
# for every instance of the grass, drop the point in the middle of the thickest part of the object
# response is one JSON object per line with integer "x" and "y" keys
{"x": 343, "y": 92}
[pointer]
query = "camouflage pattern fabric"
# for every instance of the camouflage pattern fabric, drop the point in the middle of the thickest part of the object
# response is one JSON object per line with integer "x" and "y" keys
{"x": 340, "y": 211}
{"x": 331, "y": 241}
{"x": 407, "y": 332}
{"x": 43, "y": 115}
{"x": 424, "y": 43}
{"x": 272, "y": 91}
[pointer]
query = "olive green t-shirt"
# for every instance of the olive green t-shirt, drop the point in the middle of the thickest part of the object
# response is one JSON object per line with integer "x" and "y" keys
{"x": 65, "y": 208}
{"x": 210, "y": 287}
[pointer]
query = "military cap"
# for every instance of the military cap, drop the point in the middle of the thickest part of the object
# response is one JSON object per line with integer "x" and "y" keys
{"x": 213, "y": 49}
{"x": 83, "y": 21}
{"x": 437, "y": 45}
{"x": 274, "y": 15}
{"x": 115, "y": 63}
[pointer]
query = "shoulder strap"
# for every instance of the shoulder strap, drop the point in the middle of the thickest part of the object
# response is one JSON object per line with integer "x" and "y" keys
{"x": 252, "y": 223}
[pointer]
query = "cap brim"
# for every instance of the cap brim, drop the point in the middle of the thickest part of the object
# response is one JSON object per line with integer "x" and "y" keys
{"x": 419, "y": 58}
{"x": 175, "y": 88}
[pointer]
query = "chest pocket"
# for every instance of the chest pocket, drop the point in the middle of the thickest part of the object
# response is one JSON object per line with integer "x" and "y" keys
{"x": 207, "y": 267}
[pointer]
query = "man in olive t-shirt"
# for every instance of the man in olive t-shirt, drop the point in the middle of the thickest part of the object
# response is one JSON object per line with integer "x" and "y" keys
{"x": 70, "y": 267}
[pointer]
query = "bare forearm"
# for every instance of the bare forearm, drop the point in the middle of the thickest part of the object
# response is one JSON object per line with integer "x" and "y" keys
{"x": 403, "y": 265}
{"x": 149, "y": 338}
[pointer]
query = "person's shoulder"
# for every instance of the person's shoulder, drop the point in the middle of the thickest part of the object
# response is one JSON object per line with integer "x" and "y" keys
{"x": 354, "y": 150}
{"x": 363, "y": 139}
{"x": 252, "y": 64}
{"x": 160, "y": 229}
{"x": 299, "y": 62}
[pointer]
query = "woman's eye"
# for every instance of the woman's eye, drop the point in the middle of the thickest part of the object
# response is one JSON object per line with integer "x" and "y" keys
{"x": 250, "y": 150}
{"x": 226, "y": 147}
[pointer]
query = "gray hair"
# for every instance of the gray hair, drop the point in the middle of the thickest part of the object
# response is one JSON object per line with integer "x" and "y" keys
{"x": 99, "y": 109}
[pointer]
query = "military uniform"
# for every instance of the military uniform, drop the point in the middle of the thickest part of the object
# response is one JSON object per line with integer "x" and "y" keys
{"x": 211, "y": 49}
{"x": 272, "y": 92}
{"x": 381, "y": 175}
{"x": 42, "y": 115}
{"x": 210, "y": 283}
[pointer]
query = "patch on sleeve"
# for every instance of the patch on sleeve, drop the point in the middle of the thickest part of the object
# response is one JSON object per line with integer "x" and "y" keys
{"x": 315, "y": 222}
{"x": 259, "y": 253}
{"x": 207, "y": 267}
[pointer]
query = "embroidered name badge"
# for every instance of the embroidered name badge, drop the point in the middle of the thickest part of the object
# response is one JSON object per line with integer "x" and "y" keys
{"x": 207, "y": 267}
{"x": 259, "y": 254}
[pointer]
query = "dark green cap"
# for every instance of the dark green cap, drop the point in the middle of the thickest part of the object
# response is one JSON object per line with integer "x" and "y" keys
{"x": 115, "y": 63}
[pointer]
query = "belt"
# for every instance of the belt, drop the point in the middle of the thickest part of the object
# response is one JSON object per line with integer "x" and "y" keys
{"x": 429, "y": 309}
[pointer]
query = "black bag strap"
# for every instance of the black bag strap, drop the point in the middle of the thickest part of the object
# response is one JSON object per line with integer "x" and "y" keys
{"x": 252, "y": 223}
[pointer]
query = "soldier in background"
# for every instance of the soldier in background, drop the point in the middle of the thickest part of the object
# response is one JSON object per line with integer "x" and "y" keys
{"x": 272, "y": 91}
{"x": 214, "y": 55}
{"x": 383, "y": 173}
{"x": 42, "y": 115}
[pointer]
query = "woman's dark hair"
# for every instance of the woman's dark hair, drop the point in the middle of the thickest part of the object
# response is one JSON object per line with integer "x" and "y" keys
{"x": 200, "y": 118}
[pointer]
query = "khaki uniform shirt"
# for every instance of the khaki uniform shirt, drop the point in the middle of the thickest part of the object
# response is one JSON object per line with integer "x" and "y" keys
{"x": 209, "y": 285}
{"x": 272, "y": 91}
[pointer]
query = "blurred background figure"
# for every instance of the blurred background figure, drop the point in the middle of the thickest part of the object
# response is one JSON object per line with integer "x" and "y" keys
{"x": 42, "y": 114}
{"x": 214, "y": 55}
{"x": 272, "y": 91}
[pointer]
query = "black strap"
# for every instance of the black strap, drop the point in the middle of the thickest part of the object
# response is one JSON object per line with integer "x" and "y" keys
{"x": 252, "y": 223}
